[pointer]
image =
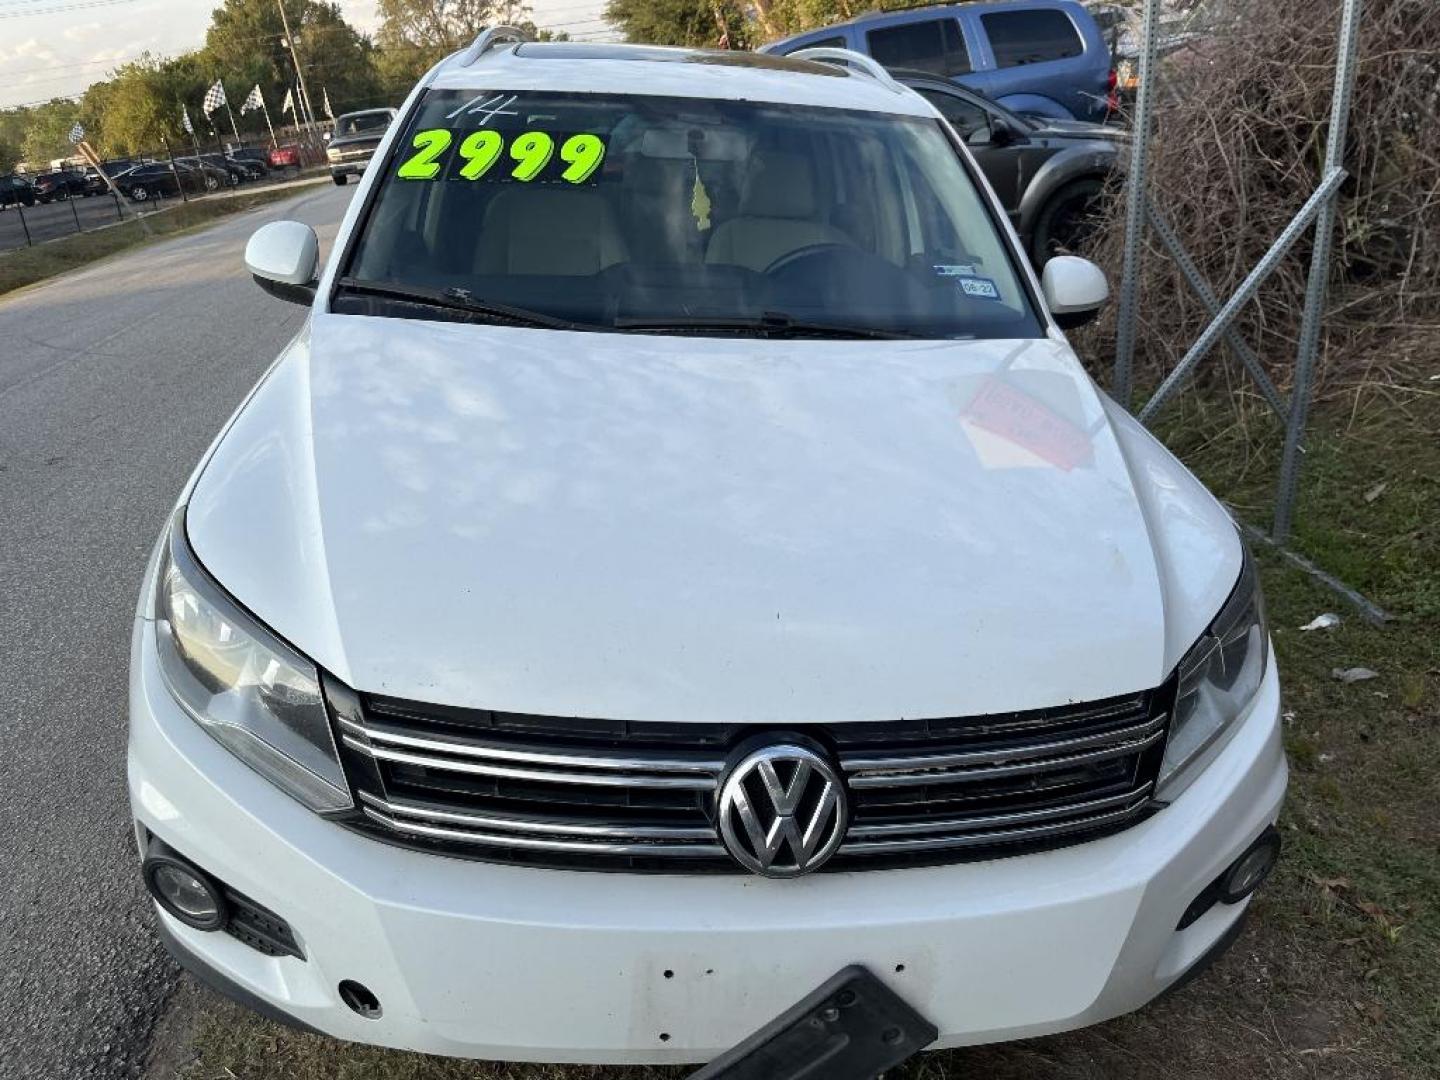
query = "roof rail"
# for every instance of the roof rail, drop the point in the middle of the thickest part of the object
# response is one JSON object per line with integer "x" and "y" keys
{"x": 488, "y": 39}
{"x": 868, "y": 65}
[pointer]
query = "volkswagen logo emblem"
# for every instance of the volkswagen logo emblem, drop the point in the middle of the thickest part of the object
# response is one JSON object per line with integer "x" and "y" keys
{"x": 783, "y": 811}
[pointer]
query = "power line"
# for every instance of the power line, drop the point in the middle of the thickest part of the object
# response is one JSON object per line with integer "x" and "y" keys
{"x": 83, "y": 5}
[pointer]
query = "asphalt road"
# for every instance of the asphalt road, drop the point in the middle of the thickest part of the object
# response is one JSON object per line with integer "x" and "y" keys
{"x": 113, "y": 381}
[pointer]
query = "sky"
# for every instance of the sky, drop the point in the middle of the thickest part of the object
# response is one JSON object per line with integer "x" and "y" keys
{"x": 55, "y": 48}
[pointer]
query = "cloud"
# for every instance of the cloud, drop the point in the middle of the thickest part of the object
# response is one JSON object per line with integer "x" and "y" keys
{"x": 82, "y": 31}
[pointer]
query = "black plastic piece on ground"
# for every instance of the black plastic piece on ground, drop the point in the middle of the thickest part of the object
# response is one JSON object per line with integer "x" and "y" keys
{"x": 223, "y": 985}
{"x": 853, "y": 1027}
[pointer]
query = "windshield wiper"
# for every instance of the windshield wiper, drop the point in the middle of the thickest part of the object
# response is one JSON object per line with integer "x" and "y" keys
{"x": 457, "y": 299}
{"x": 775, "y": 324}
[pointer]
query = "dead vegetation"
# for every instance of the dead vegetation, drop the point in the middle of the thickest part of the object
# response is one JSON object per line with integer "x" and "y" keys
{"x": 1239, "y": 145}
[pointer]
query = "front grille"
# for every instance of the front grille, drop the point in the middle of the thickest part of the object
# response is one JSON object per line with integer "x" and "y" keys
{"x": 613, "y": 795}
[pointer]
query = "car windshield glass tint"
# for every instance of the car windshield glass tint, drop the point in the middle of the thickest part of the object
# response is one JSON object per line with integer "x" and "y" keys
{"x": 637, "y": 214}
{"x": 362, "y": 125}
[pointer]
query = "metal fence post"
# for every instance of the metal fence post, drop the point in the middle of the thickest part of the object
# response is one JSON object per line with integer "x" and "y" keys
{"x": 20, "y": 209}
{"x": 1123, "y": 385}
{"x": 1315, "y": 291}
{"x": 74, "y": 213}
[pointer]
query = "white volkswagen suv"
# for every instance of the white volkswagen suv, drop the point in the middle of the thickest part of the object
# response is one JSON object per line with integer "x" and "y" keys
{"x": 680, "y": 591}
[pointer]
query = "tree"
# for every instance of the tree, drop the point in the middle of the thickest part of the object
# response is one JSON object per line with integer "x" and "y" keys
{"x": 697, "y": 23}
{"x": 140, "y": 105}
{"x": 12, "y": 136}
{"x": 694, "y": 23}
{"x": 47, "y": 131}
{"x": 414, "y": 34}
{"x": 246, "y": 46}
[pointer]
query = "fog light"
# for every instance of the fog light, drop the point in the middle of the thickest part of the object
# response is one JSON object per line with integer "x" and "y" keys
{"x": 183, "y": 891}
{"x": 1240, "y": 879}
{"x": 1249, "y": 871}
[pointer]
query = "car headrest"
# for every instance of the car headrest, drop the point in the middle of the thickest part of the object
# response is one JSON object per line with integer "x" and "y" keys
{"x": 780, "y": 185}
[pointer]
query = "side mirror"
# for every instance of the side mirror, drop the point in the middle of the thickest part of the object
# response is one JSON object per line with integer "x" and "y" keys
{"x": 1075, "y": 290}
{"x": 1001, "y": 133}
{"x": 282, "y": 257}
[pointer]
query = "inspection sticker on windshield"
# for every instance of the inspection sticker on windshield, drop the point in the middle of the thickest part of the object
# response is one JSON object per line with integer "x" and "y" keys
{"x": 980, "y": 287}
{"x": 528, "y": 156}
{"x": 956, "y": 270}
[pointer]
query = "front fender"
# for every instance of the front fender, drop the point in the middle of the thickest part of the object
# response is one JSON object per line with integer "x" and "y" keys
{"x": 1085, "y": 159}
{"x": 1038, "y": 104}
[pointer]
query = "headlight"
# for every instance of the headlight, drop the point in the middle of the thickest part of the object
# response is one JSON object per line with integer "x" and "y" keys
{"x": 332, "y": 153}
{"x": 1218, "y": 677}
{"x": 255, "y": 695}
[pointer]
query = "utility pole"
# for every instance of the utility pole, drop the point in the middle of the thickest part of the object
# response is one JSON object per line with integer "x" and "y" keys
{"x": 299, "y": 74}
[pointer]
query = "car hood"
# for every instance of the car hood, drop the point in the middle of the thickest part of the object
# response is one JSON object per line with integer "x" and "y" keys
{"x": 368, "y": 141}
{"x": 1052, "y": 128}
{"x": 722, "y": 530}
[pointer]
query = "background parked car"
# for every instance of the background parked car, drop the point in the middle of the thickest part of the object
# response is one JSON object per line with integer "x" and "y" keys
{"x": 1046, "y": 57}
{"x": 285, "y": 157}
{"x": 16, "y": 191}
{"x": 61, "y": 184}
{"x": 156, "y": 180}
{"x": 354, "y": 140}
{"x": 250, "y": 169}
{"x": 1049, "y": 174}
{"x": 253, "y": 155}
{"x": 228, "y": 174}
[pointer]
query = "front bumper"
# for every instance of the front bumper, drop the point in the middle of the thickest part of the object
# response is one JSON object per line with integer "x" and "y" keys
{"x": 489, "y": 961}
{"x": 349, "y": 167}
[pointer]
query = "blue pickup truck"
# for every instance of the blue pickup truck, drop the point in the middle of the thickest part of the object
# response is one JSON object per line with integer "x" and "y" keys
{"x": 1043, "y": 57}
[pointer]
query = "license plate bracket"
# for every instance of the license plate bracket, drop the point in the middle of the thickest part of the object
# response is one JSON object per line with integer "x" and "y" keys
{"x": 852, "y": 1027}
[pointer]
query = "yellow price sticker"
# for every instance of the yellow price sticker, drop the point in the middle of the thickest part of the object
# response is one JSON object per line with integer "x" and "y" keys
{"x": 531, "y": 151}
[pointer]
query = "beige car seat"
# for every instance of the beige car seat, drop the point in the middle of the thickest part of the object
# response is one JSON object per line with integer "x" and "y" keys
{"x": 779, "y": 213}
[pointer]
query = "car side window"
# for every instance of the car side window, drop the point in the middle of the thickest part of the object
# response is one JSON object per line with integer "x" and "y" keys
{"x": 935, "y": 45}
{"x": 1031, "y": 37}
{"x": 823, "y": 43}
{"x": 966, "y": 117}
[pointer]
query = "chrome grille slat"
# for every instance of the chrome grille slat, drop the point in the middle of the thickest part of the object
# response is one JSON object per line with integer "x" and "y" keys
{"x": 549, "y": 776}
{"x": 990, "y": 839}
{"x": 597, "y": 759}
{"x": 535, "y": 843}
{"x": 396, "y": 808}
{"x": 995, "y": 821}
{"x": 1000, "y": 755}
{"x": 607, "y": 794}
{"x": 952, "y": 776}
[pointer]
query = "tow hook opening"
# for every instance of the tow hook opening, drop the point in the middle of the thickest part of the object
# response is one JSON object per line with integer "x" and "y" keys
{"x": 360, "y": 999}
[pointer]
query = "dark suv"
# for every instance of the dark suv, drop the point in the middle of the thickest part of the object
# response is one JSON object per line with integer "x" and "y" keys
{"x": 1046, "y": 57}
{"x": 61, "y": 184}
{"x": 1049, "y": 174}
{"x": 356, "y": 136}
{"x": 16, "y": 191}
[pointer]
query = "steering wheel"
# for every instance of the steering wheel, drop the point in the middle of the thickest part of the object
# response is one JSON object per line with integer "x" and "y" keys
{"x": 809, "y": 251}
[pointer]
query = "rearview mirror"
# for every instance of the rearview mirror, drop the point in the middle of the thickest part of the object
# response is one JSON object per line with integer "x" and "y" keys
{"x": 1075, "y": 290}
{"x": 282, "y": 257}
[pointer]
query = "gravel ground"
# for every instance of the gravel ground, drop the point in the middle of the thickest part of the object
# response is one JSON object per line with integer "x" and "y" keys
{"x": 113, "y": 380}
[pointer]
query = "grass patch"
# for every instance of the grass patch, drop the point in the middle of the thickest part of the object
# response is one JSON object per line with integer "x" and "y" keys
{"x": 1338, "y": 973}
{"x": 26, "y": 266}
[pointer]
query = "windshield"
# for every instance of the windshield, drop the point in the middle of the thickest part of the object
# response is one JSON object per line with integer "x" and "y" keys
{"x": 362, "y": 123}
{"x": 640, "y": 213}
